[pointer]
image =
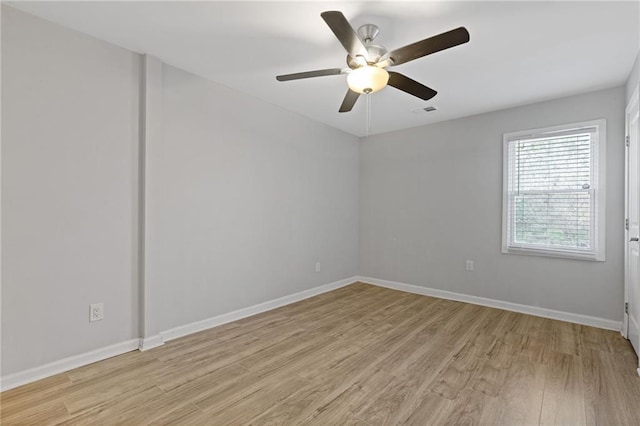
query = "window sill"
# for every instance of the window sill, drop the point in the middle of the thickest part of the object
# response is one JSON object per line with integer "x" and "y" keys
{"x": 553, "y": 253}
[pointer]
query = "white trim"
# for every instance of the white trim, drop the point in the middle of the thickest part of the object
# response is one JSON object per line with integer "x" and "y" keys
{"x": 634, "y": 326}
{"x": 31, "y": 375}
{"x": 37, "y": 373}
{"x": 205, "y": 324}
{"x": 27, "y": 376}
{"x": 599, "y": 202}
{"x": 500, "y": 304}
{"x": 635, "y": 98}
{"x": 561, "y": 254}
{"x": 151, "y": 342}
{"x": 638, "y": 370}
{"x": 633, "y": 104}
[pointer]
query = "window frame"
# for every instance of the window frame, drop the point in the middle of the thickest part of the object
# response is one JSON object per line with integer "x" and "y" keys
{"x": 598, "y": 168}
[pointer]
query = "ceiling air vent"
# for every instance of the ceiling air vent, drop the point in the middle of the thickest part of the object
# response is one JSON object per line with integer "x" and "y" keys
{"x": 423, "y": 110}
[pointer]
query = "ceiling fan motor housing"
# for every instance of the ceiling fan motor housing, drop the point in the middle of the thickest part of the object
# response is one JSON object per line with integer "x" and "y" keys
{"x": 374, "y": 54}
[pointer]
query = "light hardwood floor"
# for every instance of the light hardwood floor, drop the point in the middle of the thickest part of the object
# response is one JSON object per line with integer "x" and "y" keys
{"x": 359, "y": 355}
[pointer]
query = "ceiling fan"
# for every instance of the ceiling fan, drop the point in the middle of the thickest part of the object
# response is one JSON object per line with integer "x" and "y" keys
{"x": 367, "y": 61}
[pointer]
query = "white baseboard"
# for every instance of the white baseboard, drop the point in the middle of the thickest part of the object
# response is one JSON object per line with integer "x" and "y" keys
{"x": 66, "y": 364}
{"x": 147, "y": 343}
{"x": 205, "y": 324}
{"x": 31, "y": 375}
{"x": 508, "y": 306}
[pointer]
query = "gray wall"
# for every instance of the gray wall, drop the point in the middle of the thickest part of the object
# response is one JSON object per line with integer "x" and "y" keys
{"x": 634, "y": 78}
{"x": 243, "y": 199}
{"x": 431, "y": 197}
{"x": 69, "y": 154}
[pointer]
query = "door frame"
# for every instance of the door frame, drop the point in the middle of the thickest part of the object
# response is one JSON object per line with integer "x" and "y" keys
{"x": 635, "y": 99}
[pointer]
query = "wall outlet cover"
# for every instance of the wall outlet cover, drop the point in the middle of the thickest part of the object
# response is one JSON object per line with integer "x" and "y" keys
{"x": 96, "y": 312}
{"x": 469, "y": 265}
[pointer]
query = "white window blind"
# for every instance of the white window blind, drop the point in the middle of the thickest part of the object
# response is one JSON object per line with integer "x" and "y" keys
{"x": 553, "y": 189}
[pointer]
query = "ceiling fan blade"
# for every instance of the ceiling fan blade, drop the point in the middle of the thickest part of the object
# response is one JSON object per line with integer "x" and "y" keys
{"x": 428, "y": 46}
{"x": 309, "y": 74}
{"x": 349, "y": 101}
{"x": 412, "y": 87}
{"x": 345, "y": 33}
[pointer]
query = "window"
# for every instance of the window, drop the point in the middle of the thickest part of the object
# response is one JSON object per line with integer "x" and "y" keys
{"x": 553, "y": 191}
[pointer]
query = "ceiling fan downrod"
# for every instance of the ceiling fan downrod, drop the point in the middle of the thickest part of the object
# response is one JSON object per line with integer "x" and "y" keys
{"x": 368, "y": 32}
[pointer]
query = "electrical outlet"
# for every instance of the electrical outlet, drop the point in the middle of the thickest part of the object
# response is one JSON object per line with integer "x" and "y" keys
{"x": 96, "y": 312}
{"x": 469, "y": 265}
{"x": 317, "y": 266}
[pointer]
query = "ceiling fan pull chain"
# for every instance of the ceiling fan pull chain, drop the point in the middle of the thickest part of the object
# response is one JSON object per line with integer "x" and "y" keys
{"x": 368, "y": 118}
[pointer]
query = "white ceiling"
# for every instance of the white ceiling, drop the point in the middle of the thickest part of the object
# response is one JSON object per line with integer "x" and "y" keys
{"x": 520, "y": 52}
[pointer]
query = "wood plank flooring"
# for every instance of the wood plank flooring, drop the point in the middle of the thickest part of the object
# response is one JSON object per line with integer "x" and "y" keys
{"x": 360, "y": 355}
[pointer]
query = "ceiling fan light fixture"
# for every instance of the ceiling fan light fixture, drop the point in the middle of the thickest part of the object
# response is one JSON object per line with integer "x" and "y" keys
{"x": 367, "y": 79}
